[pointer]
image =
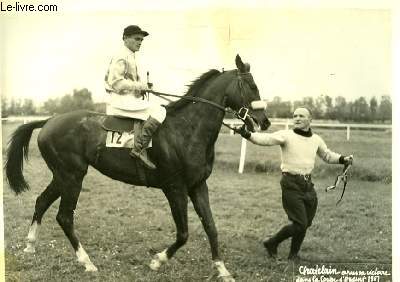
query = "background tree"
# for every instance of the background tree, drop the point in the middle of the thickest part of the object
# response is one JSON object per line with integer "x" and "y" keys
{"x": 82, "y": 99}
{"x": 28, "y": 107}
{"x": 279, "y": 109}
{"x": 320, "y": 107}
{"x": 4, "y": 107}
{"x": 79, "y": 100}
{"x": 309, "y": 102}
{"x": 15, "y": 107}
{"x": 51, "y": 106}
{"x": 385, "y": 108}
{"x": 373, "y": 108}
{"x": 340, "y": 108}
{"x": 360, "y": 110}
{"x": 330, "y": 111}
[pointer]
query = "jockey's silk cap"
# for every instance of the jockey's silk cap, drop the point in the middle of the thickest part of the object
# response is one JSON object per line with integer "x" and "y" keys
{"x": 134, "y": 29}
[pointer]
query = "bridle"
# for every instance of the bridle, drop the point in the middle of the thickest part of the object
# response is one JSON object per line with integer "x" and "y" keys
{"x": 242, "y": 114}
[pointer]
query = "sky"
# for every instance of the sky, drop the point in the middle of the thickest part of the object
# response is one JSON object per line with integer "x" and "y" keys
{"x": 295, "y": 48}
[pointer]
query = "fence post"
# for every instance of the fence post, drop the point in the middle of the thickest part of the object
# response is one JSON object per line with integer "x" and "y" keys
{"x": 287, "y": 124}
{"x": 348, "y": 132}
{"x": 242, "y": 155}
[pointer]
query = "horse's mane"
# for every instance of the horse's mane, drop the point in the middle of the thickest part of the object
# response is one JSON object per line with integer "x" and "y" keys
{"x": 194, "y": 88}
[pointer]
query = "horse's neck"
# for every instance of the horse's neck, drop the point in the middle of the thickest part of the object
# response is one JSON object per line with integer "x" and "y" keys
{"x": 203, "y": 119}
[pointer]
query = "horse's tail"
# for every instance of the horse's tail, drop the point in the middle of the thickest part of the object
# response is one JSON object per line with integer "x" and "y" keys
{"x": 18, "y": 147}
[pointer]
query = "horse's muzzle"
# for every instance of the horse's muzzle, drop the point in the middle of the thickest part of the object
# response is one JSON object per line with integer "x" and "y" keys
{"x": 259, "y": 115}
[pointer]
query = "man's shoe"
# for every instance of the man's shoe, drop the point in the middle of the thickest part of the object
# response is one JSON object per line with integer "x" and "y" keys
{"x": 142, "y": 155}
{"x": 134, "y": 154}
{"x": 271, "y": 247}
{"x": 295, "y": 258}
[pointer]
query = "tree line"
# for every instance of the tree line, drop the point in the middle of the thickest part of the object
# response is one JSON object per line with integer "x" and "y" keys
{"x": 78, "y": 100}
{"x": 322, "y": 107}
{"x": 338, "y": 108}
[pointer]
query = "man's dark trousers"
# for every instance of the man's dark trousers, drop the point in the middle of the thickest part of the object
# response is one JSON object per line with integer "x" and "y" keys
{"x": 300, "y": 202}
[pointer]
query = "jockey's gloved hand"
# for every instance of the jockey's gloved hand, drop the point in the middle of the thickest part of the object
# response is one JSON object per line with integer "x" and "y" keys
{"x": 243, "y": 132}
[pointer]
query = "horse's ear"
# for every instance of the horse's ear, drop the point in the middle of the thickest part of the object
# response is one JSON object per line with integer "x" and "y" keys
{"x": 239, "y": 64}
{"x": 247, "y": 67}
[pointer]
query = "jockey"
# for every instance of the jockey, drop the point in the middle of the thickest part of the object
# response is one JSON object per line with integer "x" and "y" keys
{"x": 128, "y": 93}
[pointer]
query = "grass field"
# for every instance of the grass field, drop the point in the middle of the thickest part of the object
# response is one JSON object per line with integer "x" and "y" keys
{"x": 122, "y": 226}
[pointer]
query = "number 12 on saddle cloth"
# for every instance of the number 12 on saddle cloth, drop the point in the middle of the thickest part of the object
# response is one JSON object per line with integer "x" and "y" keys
{"x": 117, "y": 139}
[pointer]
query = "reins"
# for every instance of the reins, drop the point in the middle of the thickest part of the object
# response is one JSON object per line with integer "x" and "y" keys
{"x": 242, "y": 114}
{"x": 190, "y": 98}
{"x": 343, "y": 177}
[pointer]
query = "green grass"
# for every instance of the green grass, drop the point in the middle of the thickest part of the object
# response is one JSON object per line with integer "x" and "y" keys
{"x": 122, "y": 226}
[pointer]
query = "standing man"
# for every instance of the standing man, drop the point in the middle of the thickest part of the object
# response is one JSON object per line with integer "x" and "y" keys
{"x": 298, "y": 150}
{"x": 128, "y": 93}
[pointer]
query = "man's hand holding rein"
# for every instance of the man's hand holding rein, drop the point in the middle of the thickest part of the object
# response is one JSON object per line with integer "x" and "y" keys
{"x": 244, "y": 132}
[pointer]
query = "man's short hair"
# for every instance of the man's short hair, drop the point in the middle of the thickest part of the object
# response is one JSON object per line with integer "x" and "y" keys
{"x": 305, "y": 107}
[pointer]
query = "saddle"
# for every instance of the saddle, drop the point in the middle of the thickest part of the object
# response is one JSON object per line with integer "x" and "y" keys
{"x": 121, "y": 131}
{"x": 119, "y": 123}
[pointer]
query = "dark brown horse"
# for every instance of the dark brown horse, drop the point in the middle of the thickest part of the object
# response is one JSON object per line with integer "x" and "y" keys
{"x": 183, "y": 150}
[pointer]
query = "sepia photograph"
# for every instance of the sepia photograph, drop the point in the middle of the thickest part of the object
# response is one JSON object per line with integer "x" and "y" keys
{"x": 198, "y": 140}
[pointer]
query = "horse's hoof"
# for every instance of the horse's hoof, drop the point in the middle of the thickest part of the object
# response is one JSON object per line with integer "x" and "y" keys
{"x": 91, "y": 268}
{"x": 155, "y": 264}
{"x": 227, "y": 278}
{"x": 30, "y": 250}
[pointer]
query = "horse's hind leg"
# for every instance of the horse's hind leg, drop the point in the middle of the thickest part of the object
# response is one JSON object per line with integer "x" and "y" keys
{"x": 200, "y": 200}
{"x": 69, "y": 197}
{"x": 43, "y": 202}
{"x": 178, "y": 203}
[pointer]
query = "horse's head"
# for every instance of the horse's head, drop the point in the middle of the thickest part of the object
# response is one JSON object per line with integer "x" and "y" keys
{"x": 243, "y": 97}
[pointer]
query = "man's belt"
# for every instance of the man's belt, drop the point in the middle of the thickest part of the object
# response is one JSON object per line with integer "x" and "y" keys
{"x": 306, "y": 177}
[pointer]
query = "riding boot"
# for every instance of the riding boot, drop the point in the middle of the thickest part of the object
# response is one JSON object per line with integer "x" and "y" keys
{"x": 143, "y": 140}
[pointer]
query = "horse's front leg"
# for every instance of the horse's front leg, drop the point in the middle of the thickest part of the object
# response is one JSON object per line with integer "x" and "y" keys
{"x": 178, "y": 201}
{"x": 199, "y": 197}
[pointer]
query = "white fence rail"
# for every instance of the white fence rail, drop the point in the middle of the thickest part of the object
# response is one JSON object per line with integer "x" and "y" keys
{"x": 233, "y": 122}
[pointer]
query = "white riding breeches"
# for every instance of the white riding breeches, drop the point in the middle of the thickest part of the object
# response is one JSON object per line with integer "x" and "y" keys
{"x": 134, "y": 107}
{"x": 157, "y": 112}
{"x": 154, "y": 110}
